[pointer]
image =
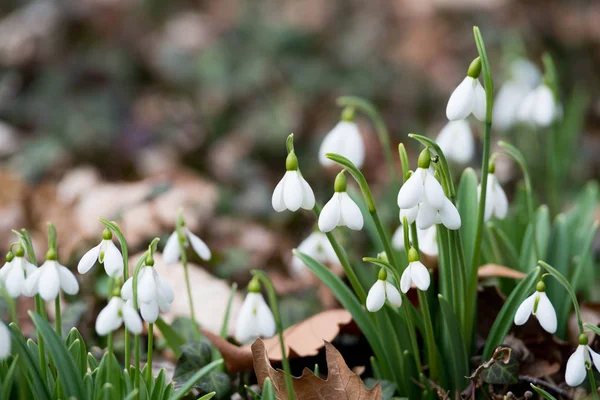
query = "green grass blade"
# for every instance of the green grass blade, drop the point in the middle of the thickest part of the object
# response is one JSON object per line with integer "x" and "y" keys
{"x": 173, "y": 339}
{"x": 186, "y": 387}
{"x": 466, "y": 202}
{"x": 457, "y": 353}
{"x": 8, "y": 379}
{"x": 29, "y": 362}
{"x": 542, "y": 392}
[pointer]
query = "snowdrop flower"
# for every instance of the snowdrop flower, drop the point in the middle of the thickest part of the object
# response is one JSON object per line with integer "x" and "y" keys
{"x": 539, "y": 305}
{"x": 50, "y": 278}
{"x": 538, "y": 107}
{"x": 381, "y": 291}
{"x": 171, "y": 252}
{"x": 576, "y": 366}
{"x": 468, "y": 97}
{"x": 496, "y": 203}
{"x": 421, "y": 187}
{"x": 415, "y": 272}
{"x": 154, "y": 293}
{"x": 456, "y": 141}
{"x": 292, "y": 191}
{"x": 447, "y": 215}
{"x": 318, "y": 247}
{"x": 117, "y": 312}
{"x": 341, "y": 210}
{"x": 105, "y": 253}
{"x": 344, "y": 139}
{"x": 13, "y": 273}
{"x": 427, "y": 240}
{"x": 4, "y": 341}
{"x": 255, "y": 318}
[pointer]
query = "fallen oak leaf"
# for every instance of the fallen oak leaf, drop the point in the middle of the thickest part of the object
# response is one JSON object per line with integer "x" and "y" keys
{"x": 301, "y": 340}
{"x": 498, "y": 271}
{"x": 341, "y": 382}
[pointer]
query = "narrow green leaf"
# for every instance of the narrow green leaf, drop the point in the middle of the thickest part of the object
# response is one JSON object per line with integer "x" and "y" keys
{"x": 225, "y": 324}
{"x": 65, "y": 365}
{"x": 92, "y": 362}
{"x": 542, "y": 392}
{"x": 210, "y": 395}
{"x": 456, "y": 358}
{"x": 541, "y": 225}
{"x": 174, "y": 340}
{"x": 195, "y": 378}
{"x": 8, "y": 379}
{"x": 88, "y": 384}
{"x": 103, "y": 376}
{"x": 132, "y": 394}
{"x": 30, "y": 363}
{"x": 466, "y": 202}
{"x": 159, "y": 386}
{"x": 509, "y": 251}
{"x": 505, "y": 317}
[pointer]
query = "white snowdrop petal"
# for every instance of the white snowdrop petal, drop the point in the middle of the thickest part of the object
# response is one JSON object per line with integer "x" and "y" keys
{"x": 525, "y": 110}
{"x": 266, "y": 321}
{"x": 330, "y": 144}
{"x": 163, "y": 288}
{"x": 434, "y": 194}
{"x": 277, "y": 198}
{"x": 4, "y": 341}
{"x": 5, "y": 269}
{"x": 546, "y": 314}
{"x": 500, "y": 202}
{"x": 108, "y": 319}
{"x": 29, "y": 267}
{"x": 463, "y": 147}
{"x": 392, "y": 295}
{"x": 509, "y": 97}
{"x": 398, "y": 238}
{"x": 132, "y": 320}
{"x": 411, "y": 193}
{"x": 524, "y": 310}
{"x": 127, "y": 289}
{"x": 308, "y": 196}
{"x": 489, "y": 204}
{"x": 479, "y": 103}
{"x": 68, "y": 282}
{"x": 449, "y": 215}
{"x": 427, "y": 216}
{"x": 31, "y": 283}
{"x": 595, "y": 358}
{"x": 350, "y": 212}
{"x": 330, "y": 214}
{"x": 576, "y": 372}
{"x": 149, "y": 311}
{"x": 410, "y": 214}
{"x": 460, "y": 104}
{"x": 292, "y": 191}
{"x": 428, "y": 241}
{"x": 353, "y": 145}
{"x": 170, "y": 254}
{"x": 420, "y": 275}
{"x": 246, "y": 326}
{"x": 146, "y": 287}
{"x": 15, "y": 281}
{"x": 406, "y": 280}
{"x": 544, "y": 111}
{"x": 49, "y": 281}
{"x": 376, "y": 296}
{"x": 113, "y": 261}
{"x": 198, "y": 245}
{"x": 89, "y": 259}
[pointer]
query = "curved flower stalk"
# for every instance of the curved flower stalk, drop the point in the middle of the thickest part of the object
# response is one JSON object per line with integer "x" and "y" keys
{"x": 344, "y": 139}
{"x": 538, "y": 304}
{"x": 539, "y": 107}
{"x": 255, "y": 319}
{"x": 341, "y": 210}
{"x": 317, "y": 246}
{"x": 415, "y": 273}
{"x": 468, "y": 97}
{"x": 50, "y": 278}
{"x": 154, "y": 293}
{"x": 381, "y": 291}
{"x": 579, "y": 363}
{"x": 105, "y": 253}
{"x": 292, "y": 192}
{"x": 116, "y": 313}
{"x": 172, "y": 251}
{"x": 427, "y": 239}
{"x": 496, "y": 203}
{"x": 14, "y": 272}
{"x": 4, "y": 341}
{"x": 456, "y": 141}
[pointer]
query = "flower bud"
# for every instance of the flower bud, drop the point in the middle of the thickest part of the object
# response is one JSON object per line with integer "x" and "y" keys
{"x": 475, "y": 68}
{"x": 347, "y": 114}
{"x": 51, "y": 255}
{"x": 10, "y": 256}
{"x": 540, "y": 287}
{"x": 254, "y": 286}
{"x": 424, "y": 159}
{"x": 19, "y": 251}
{"x": 413, "y": 255}
{"x": 583, "y": 339}
{"x": 106, "y": 234}
{"x": 382, "y": 274}
{"x": 291, "y": 162}
{"x": 340, "y": 182}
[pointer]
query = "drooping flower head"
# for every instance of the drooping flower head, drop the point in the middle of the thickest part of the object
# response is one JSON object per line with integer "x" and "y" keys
{"x": 421, "y": 187}
{"x": 15, "y": 271}
{"x": 172, "y": 250}
{"x": 50, "y": 278}
{"x": 496, "y": 203}
{"x": 344, "y": 139}
{"x": 154, "y": 293}
{"x": 341, "y": 210}
{"x": 468, "y": 97}
{"x": 577, "y": 365}
{"x": 539, "y": 107}
{"x": 105, "y": 253}
{"x": 292, "y": 192}
{"x": 4, "y": 341}
{"x": 255, "y": 318}
{"x": 318, "y": 247}
{"x": 117, "y": 312}
{"x": 427, "y": 239}
{"x": 538, "y": 304}
{"x": 415, "y": 273}
{"x": 381, "y": 291}
{"x": 456, "y": 141}
{"x": 448, "y": 216}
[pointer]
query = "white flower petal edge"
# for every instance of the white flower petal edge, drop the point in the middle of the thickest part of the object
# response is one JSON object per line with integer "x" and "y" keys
{"x": 467, "y": 98}
{"x": 415, "y": 272}
{"x": 456, "y": 141}
{"x": 545, "y": 313}
{"x": 198, "y": 245}
{"x": 411, "y": 193}
{"x": 330, "y": 215}
{"x": 4, "y": 341}
{"x": 525, "y": 310}
{"x": 113, "y": 260}
{"x": 318, "y": 247}
{"x": 576, "y": 370}
{"x": 292, "y": 192}
{"x": 393, "y": 295}
{"x": 109, "y": 320}
{"x": 344, "y": 139}
{"x": 89, "y": 259}
{"x": 170, "y": 254}
{"x": 350, "y": 213}
{"x": 132, "y": 320}
{"x": 254, "y": 320}
{"x": 449, "y": 215}
{"x": 376, "y": 296}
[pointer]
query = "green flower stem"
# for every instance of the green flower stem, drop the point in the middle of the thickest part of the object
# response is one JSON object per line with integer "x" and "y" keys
{"x": 14, "y": 315}
{"x": 150, "y": 350}
{"x": 354, "y": 282}
{"x": 275, "y": 309}
{"x": 380, "y": 127}
{"x": 109, "y": 358}
{"x": 415, "y": 238}
{"x": 412, "y": 334}
{"x": 590, "y": 372}
{"x": 57, "y": 317}
{"x": 116, "y": 230}
{"x": 184, "y": 261}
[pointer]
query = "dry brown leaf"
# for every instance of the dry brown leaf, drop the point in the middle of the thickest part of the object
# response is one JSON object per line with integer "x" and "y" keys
{"x": 301, "y": 340}
{"x": 590, "y": 313}
{"x": 498, "y": 271}
{"x": 341, "y": 382}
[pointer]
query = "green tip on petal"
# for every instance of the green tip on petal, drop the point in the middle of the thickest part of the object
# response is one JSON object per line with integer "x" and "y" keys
{"x": 424, "y": 159}
{"x": 51, "y": 255}
{"x": 106, "y": 234}
{"x": 583, "y": 339}
{"x": 254, "y": 286}
{"x": 382, "y": 274}
{"x": 291, "y": 162}
{"x": 540, "y": 287}
{"x": 10, "y": 256}
{"x": 340, "y": 182}
{"x": 475, "y": 68}
{"x": 348, "y": 114}
{"x": 413, "y": 255}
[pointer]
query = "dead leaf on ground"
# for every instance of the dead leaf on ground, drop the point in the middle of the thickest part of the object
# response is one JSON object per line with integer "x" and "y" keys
{"x": 498, "y": 271}
{"x": 301, "y": 340}
{"x": 341, "y": 382}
